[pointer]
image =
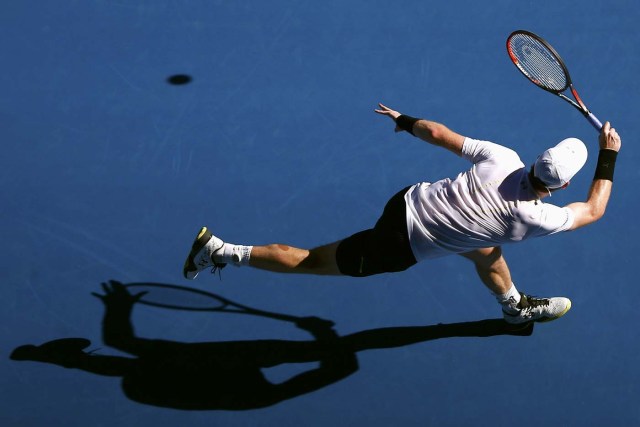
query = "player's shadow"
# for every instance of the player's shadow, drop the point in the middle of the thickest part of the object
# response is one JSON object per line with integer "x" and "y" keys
{"x": 228, "y": 375}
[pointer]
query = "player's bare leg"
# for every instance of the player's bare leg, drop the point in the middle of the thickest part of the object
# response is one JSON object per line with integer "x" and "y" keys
{"x": 517, "y": 308}
{"x": 288, "y": 259}
{"x": 492, "y": 269}
{"x": 208, "y": 251}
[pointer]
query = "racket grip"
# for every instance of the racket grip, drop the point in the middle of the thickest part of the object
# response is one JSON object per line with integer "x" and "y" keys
{"x": 594, "y": 121}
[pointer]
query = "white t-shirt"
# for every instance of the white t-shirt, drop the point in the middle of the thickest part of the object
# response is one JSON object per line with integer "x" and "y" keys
{"x": 489, "y": 205}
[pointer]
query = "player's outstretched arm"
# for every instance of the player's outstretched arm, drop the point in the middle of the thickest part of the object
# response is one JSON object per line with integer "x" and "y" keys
{"x": 427, "y": 130}
{"x": 594, "y": 207}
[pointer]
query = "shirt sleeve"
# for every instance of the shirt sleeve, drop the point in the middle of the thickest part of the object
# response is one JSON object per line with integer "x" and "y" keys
{"x": 554, "y": 219}
{"x": 477, "y": 151}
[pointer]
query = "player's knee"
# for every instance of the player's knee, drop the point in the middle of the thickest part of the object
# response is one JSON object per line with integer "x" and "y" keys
{"x": 487, "y": 258}
{"x": 495, "y": 255}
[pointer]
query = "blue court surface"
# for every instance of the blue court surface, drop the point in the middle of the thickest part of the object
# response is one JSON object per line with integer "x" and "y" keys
{"x": 108, "y": 171}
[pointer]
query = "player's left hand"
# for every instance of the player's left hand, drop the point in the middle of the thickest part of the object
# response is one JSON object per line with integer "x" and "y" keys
{"x": 386, "y": 111}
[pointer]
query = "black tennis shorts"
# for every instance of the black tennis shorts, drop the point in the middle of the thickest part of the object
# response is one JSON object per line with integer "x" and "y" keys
{"x": 384, "y": 248}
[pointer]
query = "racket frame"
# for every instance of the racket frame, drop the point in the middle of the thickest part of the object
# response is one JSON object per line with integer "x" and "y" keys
{"x": 578, "y": 103}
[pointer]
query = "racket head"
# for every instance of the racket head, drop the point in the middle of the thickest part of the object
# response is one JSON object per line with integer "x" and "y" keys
{"x": 538, "y": 61}
{"x": 176, "y": 297}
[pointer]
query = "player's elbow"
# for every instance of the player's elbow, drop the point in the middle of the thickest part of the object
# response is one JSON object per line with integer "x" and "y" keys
{"x": 597, "y": 210}
{"x": 588, "y": 217}
{"x": 597, "y": 215}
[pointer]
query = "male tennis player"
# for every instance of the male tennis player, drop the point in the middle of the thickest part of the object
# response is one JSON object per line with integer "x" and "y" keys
{"x": 495, "y": 202}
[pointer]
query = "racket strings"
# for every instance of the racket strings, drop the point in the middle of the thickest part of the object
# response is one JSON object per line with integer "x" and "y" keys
{"x": 537, "y": 62}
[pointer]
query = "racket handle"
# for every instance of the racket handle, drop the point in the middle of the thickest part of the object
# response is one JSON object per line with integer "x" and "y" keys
{"x": 594, "y": 121}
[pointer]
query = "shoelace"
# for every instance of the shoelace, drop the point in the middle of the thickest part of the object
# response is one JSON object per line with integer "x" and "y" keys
{"x": 218, "y": 268}
{"x": 531, "y": 302}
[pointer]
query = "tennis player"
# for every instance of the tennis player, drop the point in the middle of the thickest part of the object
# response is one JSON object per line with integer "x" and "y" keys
{"x": 497, "y": 201}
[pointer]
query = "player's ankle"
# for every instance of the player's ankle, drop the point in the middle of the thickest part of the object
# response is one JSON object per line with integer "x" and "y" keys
{"x": 509, "y": 300}
{"x": 232, "y": 254}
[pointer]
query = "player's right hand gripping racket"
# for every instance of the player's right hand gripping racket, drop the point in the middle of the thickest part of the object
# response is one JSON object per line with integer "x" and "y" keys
{"x": 541, "y": 64}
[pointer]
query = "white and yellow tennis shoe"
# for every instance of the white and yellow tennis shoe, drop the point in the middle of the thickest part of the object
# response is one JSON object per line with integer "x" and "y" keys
{"x": 204, "y": 246}
{"x": 532, "y": 309}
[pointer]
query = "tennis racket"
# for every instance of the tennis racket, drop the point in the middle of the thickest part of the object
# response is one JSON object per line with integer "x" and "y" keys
{"x": 184, "y": 298}
{"x": 541, "y": 64}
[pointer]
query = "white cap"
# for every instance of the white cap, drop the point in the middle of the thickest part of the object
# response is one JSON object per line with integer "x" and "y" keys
{"x": 556, "y": 166}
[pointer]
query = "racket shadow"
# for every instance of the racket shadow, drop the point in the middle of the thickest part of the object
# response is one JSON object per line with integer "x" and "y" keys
{"x": 227, "y": 375}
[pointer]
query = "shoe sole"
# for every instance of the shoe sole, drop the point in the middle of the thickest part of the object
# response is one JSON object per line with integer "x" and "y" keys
{"x": 201, "y": 239}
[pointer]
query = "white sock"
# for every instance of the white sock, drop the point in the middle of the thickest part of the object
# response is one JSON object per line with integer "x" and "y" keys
{"x": 510, "y": 299}
{"x": 233, "y": 254}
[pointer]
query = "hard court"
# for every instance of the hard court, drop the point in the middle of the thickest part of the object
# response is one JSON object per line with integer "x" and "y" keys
{"x": 107, "y": 172}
